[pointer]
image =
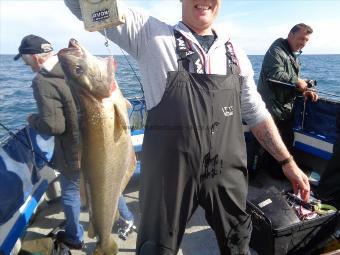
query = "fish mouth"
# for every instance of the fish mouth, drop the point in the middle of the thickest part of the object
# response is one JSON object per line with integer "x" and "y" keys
{"x": 74, "y": 48}
{"x": 98, "y": 71}
{"x": 73, "y": 43}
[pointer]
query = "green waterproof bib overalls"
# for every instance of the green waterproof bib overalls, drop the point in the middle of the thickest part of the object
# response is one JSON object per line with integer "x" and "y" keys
{"x": 194, "y": 154}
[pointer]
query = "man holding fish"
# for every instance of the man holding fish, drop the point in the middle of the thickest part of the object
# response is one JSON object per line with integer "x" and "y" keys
{"x": 198, "y": 87}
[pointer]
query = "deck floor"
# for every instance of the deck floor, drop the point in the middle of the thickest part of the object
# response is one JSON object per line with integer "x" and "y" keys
{"x": 198, "y": 238}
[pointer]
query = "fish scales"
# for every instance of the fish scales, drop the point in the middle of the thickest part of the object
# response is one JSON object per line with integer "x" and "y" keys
{"x": 108, "y": 158}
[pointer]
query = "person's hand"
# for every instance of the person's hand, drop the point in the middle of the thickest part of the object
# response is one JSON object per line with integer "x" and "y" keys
{"x": 311, "y": 95}
{"x": 298, "y": 179}
{"x": 301, "y": 85}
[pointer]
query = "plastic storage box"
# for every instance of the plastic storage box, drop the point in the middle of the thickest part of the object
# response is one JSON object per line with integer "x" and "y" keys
{"x": 298, "y": 238}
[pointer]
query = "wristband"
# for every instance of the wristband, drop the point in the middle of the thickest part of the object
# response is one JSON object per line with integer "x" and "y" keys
{"x": 286, "y": 161}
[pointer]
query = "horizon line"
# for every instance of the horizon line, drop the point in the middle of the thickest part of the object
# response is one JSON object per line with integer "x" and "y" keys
{"x": 253, "y": 54}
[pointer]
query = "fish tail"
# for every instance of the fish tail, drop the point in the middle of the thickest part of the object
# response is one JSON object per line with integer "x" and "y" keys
{"x": 111, "y": 248}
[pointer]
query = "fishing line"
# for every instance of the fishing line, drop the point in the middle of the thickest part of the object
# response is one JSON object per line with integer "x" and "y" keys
{"x": 22, "y": 142}
{"x": 303, "y": 113}
{"x": 140, "y": 83}
{"x": 142, "y": 100}
{"x": 110, "y": 53}
{"x": 107, "y": 43}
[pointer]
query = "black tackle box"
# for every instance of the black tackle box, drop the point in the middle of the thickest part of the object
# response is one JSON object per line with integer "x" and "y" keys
{"x": 277, "y": 231}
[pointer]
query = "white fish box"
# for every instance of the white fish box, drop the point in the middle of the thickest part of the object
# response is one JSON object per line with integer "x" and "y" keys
{"x": 100, "y": 14}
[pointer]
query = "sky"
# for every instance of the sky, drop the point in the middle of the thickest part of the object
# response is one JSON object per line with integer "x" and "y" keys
{"x": 251, "y": 23}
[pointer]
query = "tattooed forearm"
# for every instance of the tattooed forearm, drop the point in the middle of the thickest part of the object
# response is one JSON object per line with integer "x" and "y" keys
{"x": 268, "y": 136}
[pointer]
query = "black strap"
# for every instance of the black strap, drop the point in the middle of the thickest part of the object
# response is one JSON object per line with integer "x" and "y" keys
{"x": 186, "y": 55}
{"x": 232, "y": 62}
{"x": 182, "y": 51}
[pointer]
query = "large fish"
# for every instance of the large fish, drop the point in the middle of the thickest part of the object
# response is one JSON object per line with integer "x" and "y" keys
{"x": 108, "y": 158}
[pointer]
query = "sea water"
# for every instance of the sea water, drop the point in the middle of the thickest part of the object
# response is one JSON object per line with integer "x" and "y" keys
{"x": 17, "y": 102}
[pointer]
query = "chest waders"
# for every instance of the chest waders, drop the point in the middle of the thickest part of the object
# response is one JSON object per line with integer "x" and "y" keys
{"x": 194, "y": 154}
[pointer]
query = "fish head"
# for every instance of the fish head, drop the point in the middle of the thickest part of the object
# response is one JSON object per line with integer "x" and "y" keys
{"x": 87, "y": 73}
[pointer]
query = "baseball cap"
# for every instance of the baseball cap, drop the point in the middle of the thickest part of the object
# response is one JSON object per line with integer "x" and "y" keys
{"x": 33, "y": 44}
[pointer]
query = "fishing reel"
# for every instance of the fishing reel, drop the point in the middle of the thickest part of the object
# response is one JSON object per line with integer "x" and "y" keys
{"x": 311, "y": 83}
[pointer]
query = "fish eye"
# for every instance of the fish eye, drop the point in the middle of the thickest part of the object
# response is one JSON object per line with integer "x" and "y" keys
{"x": 79, "y": 70}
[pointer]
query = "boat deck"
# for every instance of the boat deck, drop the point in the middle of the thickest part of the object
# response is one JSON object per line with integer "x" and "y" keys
{"x": 198, "y": 239}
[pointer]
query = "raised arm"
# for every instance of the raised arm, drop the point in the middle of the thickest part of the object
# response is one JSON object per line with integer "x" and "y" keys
{"x": 133, "y": 35}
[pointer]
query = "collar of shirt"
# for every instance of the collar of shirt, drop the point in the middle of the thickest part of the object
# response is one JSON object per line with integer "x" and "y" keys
{"x": 221, "y": 37}
{"x": 50, "y": 63}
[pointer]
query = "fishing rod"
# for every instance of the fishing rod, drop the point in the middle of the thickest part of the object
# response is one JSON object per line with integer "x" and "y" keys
{"x": 23, "y": 143}
{"x": 140, "y": 83}
{"x": 309, "y": 89}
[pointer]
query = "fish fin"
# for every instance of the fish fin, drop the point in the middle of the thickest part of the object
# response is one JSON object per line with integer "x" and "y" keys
{"x": 130, "y": 169}
{"x": 121, "y": 124}
{"x": 117, "y": 215}
{"x": 90, "y": 231}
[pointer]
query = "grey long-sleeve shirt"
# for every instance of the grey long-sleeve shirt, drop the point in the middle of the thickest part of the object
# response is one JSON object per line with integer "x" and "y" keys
{"x": 152, "y": 43}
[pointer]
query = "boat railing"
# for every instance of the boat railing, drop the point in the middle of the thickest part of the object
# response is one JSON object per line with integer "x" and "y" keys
{"x": 137, "y": 113}
{"x": 315, "y": 130}
{"x": 317, "y": 118}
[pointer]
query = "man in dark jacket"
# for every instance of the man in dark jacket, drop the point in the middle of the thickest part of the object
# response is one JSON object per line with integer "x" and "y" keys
{"x": 281, "y": 65}
{"x": 57, "y": 116}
